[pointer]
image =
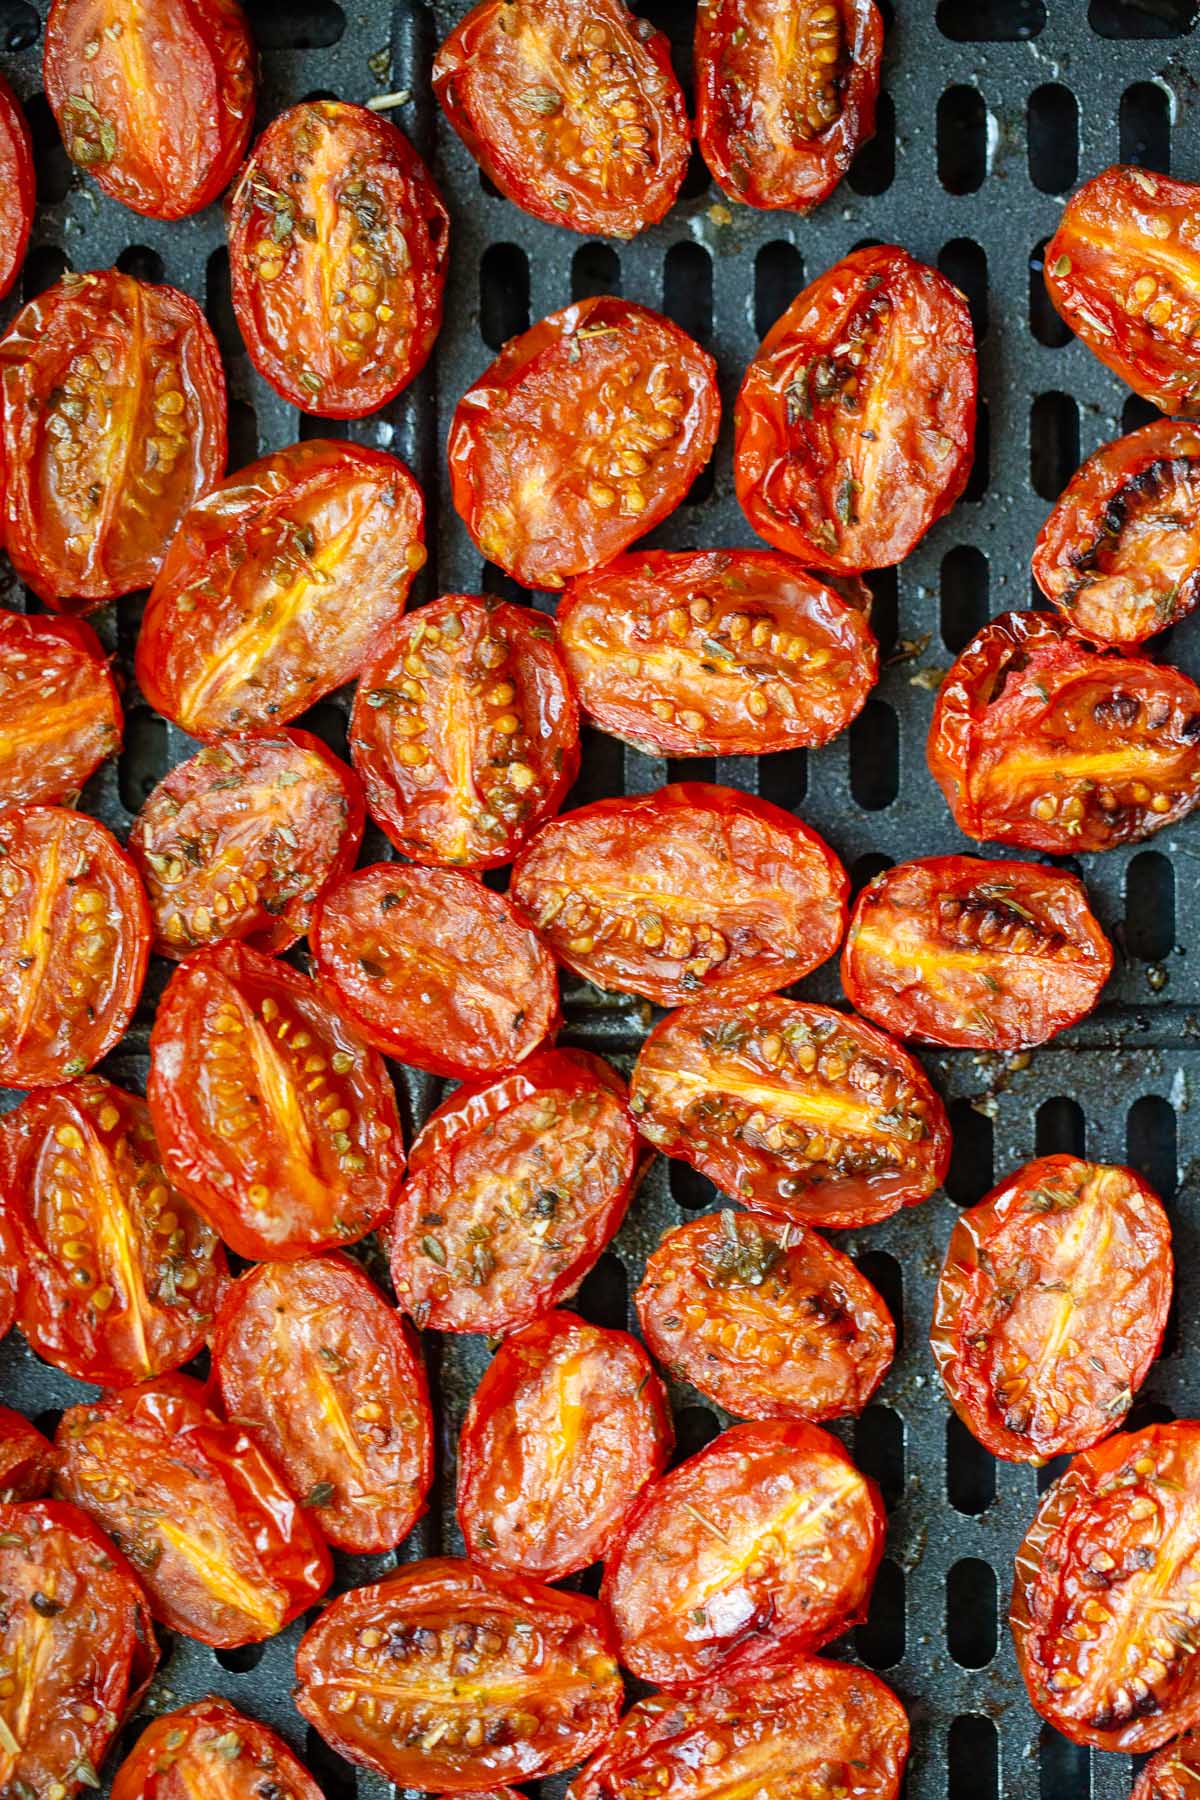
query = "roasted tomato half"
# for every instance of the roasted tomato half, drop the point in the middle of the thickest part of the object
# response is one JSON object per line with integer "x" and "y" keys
{"x": 447, "y": 1675}
{"x": 273, "y": 1116}
{"x": 766, "y": 1319}
{"x": 1173, "y": 1774}
{"x": 784, "y": 97}
{"x": 801, "y": 1110}
{"x": 586, "y": 431}
{"x": 210, "y": 1748}
{"x": 26, "y": 1458}
{"x": 113, "y": 424}
{"x": 855, "y": 423}
{"x": 565, "y": 1430}
{"x": 691, "y": 890}
{"x": 59, "y": 712}
{"x": 157, "y": 103}
{"x": 763, "y": 1546}
{"x": 465, "y": 731}
{"x": 18, "y": 187}
{"x": 1123, "y": 270}
{"x": 119, "y": 1277}
{"x": 338, "y": 243}
{"x": 325, "y": 1377}
{"x": 226, "y": 1552}
{"x": 238, "y": 841}
{"x": 715, "y": 652}
{"x": 10, "y": 1256}
{"x": 982, "y": 955}
{"x": 1039, "y": 741}
{"x": 277, "y": 585}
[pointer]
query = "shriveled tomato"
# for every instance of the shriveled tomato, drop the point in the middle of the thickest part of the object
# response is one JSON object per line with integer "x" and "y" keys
{"x": 119, "y": 1277}
{"x": 59, "y": 712}
{"x": 277, "y": 585}
{"x": 238, "y": 841}
{"x": 567, "y": 1427}
{"x": 446, "y": 1675}
{"x": 766, "y": 1319}
{"x": 983, "y": 955}
{"x": 113, "y": 424}
{"x": 338, "y": 244}
{"x": 227, "y": 1554}
{"x": 325, "y": 1377}
{"x": 759, "y": 1548}
{"x": 855, "y": 423}
{"x": 693, "y": 889}
{"x": 585, "y": 431}
{"x": 18, "y": 187}
{"x": 465, "y": 731}
{"x": 725, "y": 652}
{"x": 273, "y": 1116}
{"x": 26, "y": 1458}
{"x": 1173, "y": 1774}
{"x": 514, "y": 1187}
{"x": 211, "y": 1748}
{"x": 801, "y": 1110}
{"x": 1039, "y": 741}
{"x": 156, "y": 102}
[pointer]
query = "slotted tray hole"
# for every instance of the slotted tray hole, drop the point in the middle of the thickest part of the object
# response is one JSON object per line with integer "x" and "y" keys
{"x": 875, "y": 756}
{"x": 783, "y": 778}
{"x": 981, "y": 466}
{"x": 687, "y": 290}
{"x": 1052, "y": 138}
{"x": 695, "y": 1426}
{"x": 964, "y": 262}
{"x": 297, "y": 25}
{"x": 874, "y": 167}
{"x": 602, "y": 769}
{"x": 885, "y": 1274}
{"x": 689, "y": 1188}
{"x": 990, "y": 21}
{"x": 1053, "y": 443}
{"x": 595, "y": 269}
{"x": 603, "y": 1296}
{"x": 20, "y": 26}
{"x": 879, "y": 1451}
{"x": 44, "y": 265}
{"x": 1045, "y": 321}
{"x": 973, "y": 1758}
{"x": 972, "y": 1159}
{"x": 778, "y": 278}
{"x": 336, "y": 1778}
{"x": 1142, "y": 18}
{"x": 1145, "y": 126}
{"x": 503, "y": 294}
{"x": 1150, "y": 906}
{"x": 144, "y": 757}
{"x": 970, "y": 1470}
{"x": 965, "y": 580}
{"x": 1151, "y": 1143}
{"x": 962, "y": 140}
{"x": 1064, "y": 1768}
{"x": 885, "y": 607}
{"x": 1137, "y": 412}
{"x": 54, "y": 168}
{"x": 1060, "y": 1128}
{"x": 880, "y": 1639}
{"x": 865, "y": 869}
{"x": 972, "y": 1613}
{"x": 242, "y": 1659}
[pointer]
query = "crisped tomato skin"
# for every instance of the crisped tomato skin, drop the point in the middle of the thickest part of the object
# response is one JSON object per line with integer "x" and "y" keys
{"x": 199, "y": 1739}
{"x": 62, "y": 714}
{"x": 18, "y": 187}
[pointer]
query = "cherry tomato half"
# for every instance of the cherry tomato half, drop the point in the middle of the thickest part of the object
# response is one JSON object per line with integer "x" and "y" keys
{"x": 565, "y": 1430}
{"x": 983, "y": 955}
{"x": 338, "y": 244}
{"x": 855, "y": 423}
{"x": 210, "y": 1748}
{"x": 59, "y": 712}
{"x": 113, "y": 424}
{"x": 586, "y": 431}
{"x": 1173, "y": 1774}
{"x": 26, "y": 1458}
{"x": 800, "y": 1110}
{"x": 276, "y": 586}
{"x": 18, "y": 187}
{"x": 465, "y": 731}
{"x": 1038, "y": 741}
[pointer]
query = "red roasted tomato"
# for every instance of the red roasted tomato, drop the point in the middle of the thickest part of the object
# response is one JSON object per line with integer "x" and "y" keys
{"x": 586, "y": 431}
{"x": 1174, "y": 1774}
{"x": 210, "y": 1748}
{"x": 26, "y": 1458}
{"x": 691, "y": 890}
{"x": 59, "y": 712}
{"x": 766, "y": 1319}
{"x": 273, "y": 1116}
{"x": 155, "y": 102}
{"x": 325, "y": 1377}
{"x": 277, "y": 585}
{"x": 238, "y": 841}
{"x": 9, "y": 1272}
{"x": 567, "y": 1427}
{"x": 113, "y": 424}
{"x": 761, "y": 1547}
{"x": 465, "y": 731}
{"x": 1038, "y": 741}
{"x": 338, "y": 242}
{"x": 855, "y": 423}
{"x": 488, "y": 1677}
{"x": 982, "y": 955}
{"x": 225, "y": 1551}
{"x": 715, "y": 652}
{"x": 18, "y": 187}
{"x": 800, "y": 1110}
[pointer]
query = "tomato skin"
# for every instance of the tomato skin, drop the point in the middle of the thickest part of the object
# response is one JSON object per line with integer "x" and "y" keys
{"x": 809, "y": 479}
{"x": 377, "y": 1461}
{"x": 299, "y": 247}
{"x": 18, "y": 187}
{"x": 586, "y": 431}
{"x": 60, "y": 707}
{"x": 980, "y": 955}
{"x": 1172, "y": 1774}
{"x": 214, "y": 1741}
{"x": 565, "y": 1430}
{"x": 26, "y": 1459}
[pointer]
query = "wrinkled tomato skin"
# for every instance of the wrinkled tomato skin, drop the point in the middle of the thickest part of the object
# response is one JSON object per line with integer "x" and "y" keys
{"x": 691, "y": 891}
{"x": 557, "y": 1134}
{"x": 777, "y": 119}
{"x": 1173, "y": 1774}
{"x": 335, "y": 198}
{"x": 59, "y": 706}
{"x": 715, "y": 652}
{"x": 26, "y": 1459}
{"x": 170, "y": 98}
{"x": 462, "y": 770}
{"x": 681, "y": 1617}
{"x": 812, "y": 478}
{"x": 973, "y": 954}
{"x": 766, "y": 1319}
{"x": 224, "y": 1753}
{"x": 339, "y": 528}
{"x": 585, "y": 432}
{"x": 128, "y": 379}
{"x": 706, "y": 1082}
{"x": 1037, "y": 740}
{"x": 326, "y": 1378}
{"x": 18, "y": 187}
{"x": 565, "y": 1430}
{"x": 564, "y": 1691}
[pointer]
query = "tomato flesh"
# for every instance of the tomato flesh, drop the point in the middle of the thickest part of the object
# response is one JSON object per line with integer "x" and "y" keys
{"x": 1173, "y": 1774}
{"x": 26, "y": 1458}
{"x": 211, "y": 1748}
{"x": 18, "y": 187}
{"x": 59, "y": 712}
